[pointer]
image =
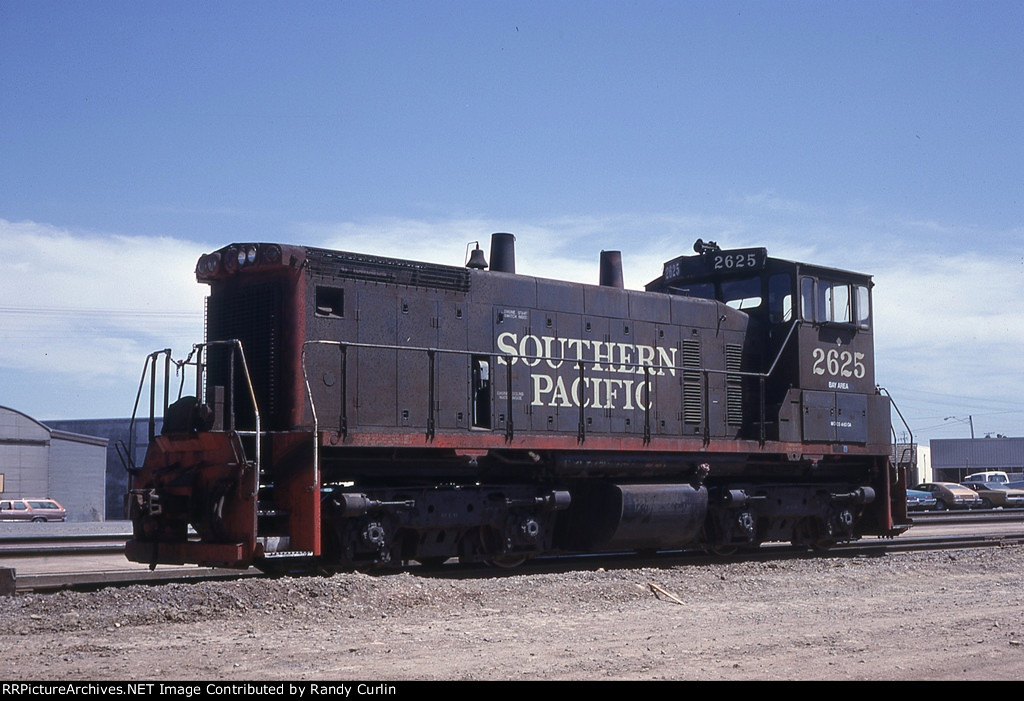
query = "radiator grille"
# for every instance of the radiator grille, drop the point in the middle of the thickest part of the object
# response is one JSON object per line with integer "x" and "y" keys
{"x": 252, "y": 315}
{"x": 693, "y": 395}
{"x": 734, "y": 384}
{"x": 354, "y": 266}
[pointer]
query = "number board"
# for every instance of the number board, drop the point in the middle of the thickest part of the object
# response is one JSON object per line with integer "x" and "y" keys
{"x": 739, "y": 260}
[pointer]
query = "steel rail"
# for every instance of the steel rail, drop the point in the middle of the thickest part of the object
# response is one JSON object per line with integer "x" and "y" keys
{"x": 57, "y": 581}
{"x": 870, "y": 547}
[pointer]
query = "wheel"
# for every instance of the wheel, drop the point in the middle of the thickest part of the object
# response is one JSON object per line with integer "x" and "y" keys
{"x": 986, "y": 504}
{"x": 507, "y": 562}
{"x": 39, "y": 519}
{"x": 809, "y": 533}
{"x": 722, "y": 550}
{"x": 489, "y": 541}
{"x": 940, "y": 505}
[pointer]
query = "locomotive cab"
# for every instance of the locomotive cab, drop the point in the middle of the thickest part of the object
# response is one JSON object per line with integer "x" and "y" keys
{"x": 810, "y": 340}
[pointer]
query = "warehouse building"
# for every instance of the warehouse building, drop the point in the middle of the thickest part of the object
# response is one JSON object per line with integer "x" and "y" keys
{"x": 37, "y": 461}
{"x": 955, "y": 458}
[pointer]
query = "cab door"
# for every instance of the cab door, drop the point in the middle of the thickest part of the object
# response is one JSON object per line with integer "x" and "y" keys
{"x": 836, "y": 358}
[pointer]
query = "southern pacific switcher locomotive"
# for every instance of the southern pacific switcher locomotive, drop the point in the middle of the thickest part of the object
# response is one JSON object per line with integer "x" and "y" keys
{"x": 352, "y": 409}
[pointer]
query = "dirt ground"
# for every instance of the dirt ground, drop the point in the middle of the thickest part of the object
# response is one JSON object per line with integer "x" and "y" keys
{"x": 897, "y": 616}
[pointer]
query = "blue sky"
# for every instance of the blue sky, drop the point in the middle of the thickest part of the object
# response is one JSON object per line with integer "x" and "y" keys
{"x": 880, "y": 136}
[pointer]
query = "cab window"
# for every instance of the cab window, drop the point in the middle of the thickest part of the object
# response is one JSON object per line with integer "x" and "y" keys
{"x": 780, "y": 298}
{"x": 703, "y": 290}
{"x": 742, "y": 294}
{"x": 863, "y": 300}
{"x": 807, "y": 306}
{"x": 832, "y": 301}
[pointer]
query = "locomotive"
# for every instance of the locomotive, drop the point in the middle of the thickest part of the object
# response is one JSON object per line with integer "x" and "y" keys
{"x": 354, "y": 410}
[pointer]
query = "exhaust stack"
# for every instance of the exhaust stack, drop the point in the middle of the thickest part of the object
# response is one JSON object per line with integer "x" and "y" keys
{"x": 503, "y": 253}
{"x": 611, "y": 269}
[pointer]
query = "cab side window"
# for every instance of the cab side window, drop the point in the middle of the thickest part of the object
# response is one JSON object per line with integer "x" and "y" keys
{"x": 863, "y": 305}
{"x": 807, "y": 305}
{"x": 835, "y": 302}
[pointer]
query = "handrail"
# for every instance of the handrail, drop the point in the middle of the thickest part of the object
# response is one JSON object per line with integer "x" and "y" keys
{"x": 149, "y": 368}
{"x": 312, "y": 408}
{"x": 343, "y": 346}
{"x": 883, "y": 390}
{"x": 124, "y": 451}
{"x": 236, "y": 345}
{"x": 509, "y": 359}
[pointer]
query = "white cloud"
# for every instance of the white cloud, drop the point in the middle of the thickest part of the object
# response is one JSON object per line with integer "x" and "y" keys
{"x": 771, "y": 200}
{"x": 949, "y": 333}
{"x": 564, "y": 248}
{"x": 86, "y": 307}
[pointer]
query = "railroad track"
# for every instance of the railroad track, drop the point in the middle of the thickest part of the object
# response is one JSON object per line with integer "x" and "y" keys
{"x": 66, "y": 544}
{"x": 988, "y": 529}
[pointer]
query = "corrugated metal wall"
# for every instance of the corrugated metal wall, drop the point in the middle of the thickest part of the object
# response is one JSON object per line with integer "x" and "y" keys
{"x": 77, "y": 466}
{"x": 37, "y": 462}
{"x": 967, "y": 455}
{"x": 24, "y": 455}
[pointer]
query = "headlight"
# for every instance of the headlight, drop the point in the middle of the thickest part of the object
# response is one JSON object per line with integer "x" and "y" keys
{"x": 208, "y": 264}
{"x": 240, "y": 256}
{"x": 272, "y": 253}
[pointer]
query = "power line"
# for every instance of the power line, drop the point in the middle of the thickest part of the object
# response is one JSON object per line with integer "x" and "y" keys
{"x": 73, "y": 312}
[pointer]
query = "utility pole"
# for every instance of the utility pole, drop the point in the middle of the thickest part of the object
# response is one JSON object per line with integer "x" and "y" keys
{"x": 970, "y": 420}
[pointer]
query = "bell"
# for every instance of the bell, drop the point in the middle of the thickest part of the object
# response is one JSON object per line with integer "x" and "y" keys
{"x": 476, "y": 259}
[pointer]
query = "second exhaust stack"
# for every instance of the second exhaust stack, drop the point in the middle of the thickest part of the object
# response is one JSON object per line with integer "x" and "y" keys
{"x": 503, "y": 253}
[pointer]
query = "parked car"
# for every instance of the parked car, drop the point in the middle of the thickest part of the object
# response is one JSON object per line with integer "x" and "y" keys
{"x": 950, "y": 495}
{"x": 995, "y": 494}
{"x": 920, "y": 500}
{"x": 31, "y": 510}
{"x": 989, "y": 477}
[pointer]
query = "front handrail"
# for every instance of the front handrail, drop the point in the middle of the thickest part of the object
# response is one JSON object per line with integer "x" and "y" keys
{"x": 235, "y": 349}
{"x": 892, "y": 429}
{"x": 126, "y": 451}
{"x": 150, "y": 369}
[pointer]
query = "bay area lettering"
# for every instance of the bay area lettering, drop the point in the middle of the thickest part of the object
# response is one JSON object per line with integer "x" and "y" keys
{"x": 619, "y": 363}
